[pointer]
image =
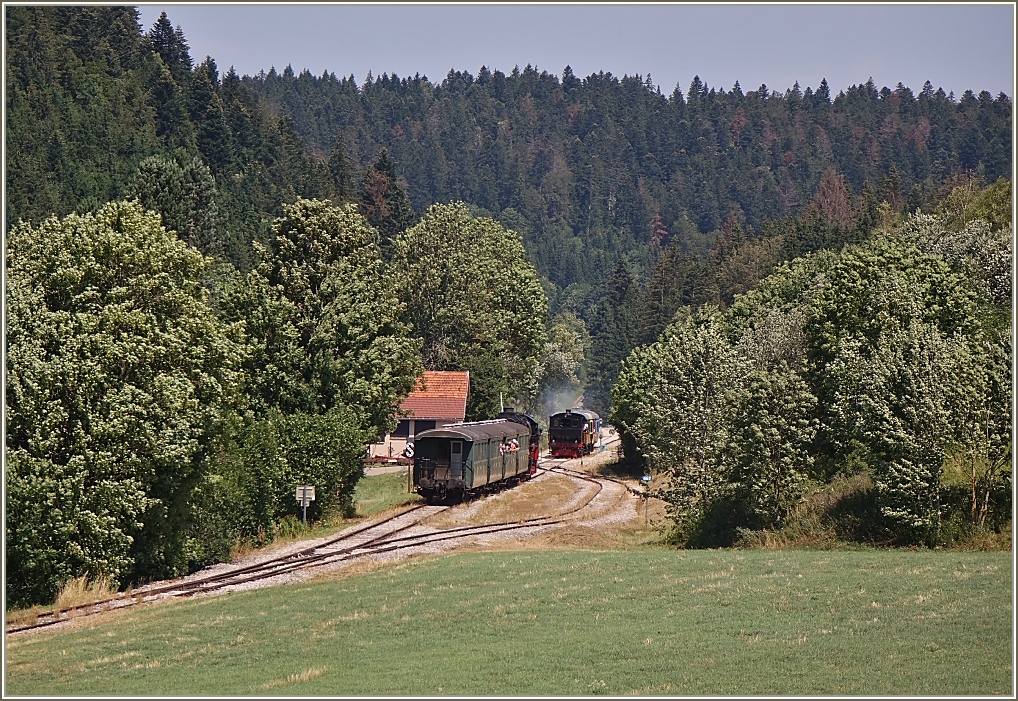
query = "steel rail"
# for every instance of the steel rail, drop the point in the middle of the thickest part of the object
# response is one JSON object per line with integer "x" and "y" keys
{"x": 143, "y": 594}
{"x": 319, "y": 554}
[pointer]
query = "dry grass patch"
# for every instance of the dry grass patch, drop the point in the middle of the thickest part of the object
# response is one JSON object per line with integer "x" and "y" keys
{"x": 533, "y": 499}
{"x": 81, "y": 591}
{"x": 297, "y": 678}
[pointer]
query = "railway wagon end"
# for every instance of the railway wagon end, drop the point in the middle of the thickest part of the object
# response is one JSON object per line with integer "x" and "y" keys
{"x": 462, "y": 460}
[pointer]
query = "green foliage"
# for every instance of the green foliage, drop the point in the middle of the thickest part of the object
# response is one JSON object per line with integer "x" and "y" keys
{"x": 78, "y": 108}
{"x": 473, "y": 298}
{"x": 118, "y": 371}
{"x": 902, "y": 399}
{"x": 773, "y": 431}
{"x": 237, "y": 500}
{"x": 970, "y": 200}
{"x": 608, "y": 166}
{"x": 978, "y": 250}
{"x": 682, "y": 391}
{"x": 90, "y": 99}
{"x": 183, "y": 191}
{"x": 384, "y": 201}
{"x": 614, "y": 332}
{"x": 883, "y": 286}
{"x": 323, "y": 321}
{"x": 894, "y": 352}
{"x": 328, "y": 362}
{"x": 324, "y": 450}
{"x": 61, "y": 523}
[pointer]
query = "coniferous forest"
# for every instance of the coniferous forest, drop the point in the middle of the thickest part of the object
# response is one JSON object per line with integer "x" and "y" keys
{"x": 218, "y": 286}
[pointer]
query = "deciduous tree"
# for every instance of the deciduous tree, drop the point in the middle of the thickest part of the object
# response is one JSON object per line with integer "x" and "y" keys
{"x": 474, "y": 299}
{"x": 117, "y": 373}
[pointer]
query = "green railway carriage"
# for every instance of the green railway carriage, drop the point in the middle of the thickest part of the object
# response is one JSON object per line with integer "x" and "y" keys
{"x": 461, "y": 460}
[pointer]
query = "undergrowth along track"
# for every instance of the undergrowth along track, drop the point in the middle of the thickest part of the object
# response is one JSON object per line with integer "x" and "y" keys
{"x": 344, "y": 543}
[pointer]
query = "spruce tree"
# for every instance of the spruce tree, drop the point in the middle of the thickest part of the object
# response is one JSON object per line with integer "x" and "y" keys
{"x": 384, "y": 202}
{"x": 342, "y": 170}
{"x": 171, "y": 45}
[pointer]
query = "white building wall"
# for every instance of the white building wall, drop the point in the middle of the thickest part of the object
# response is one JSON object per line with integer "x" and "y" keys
{"x": 392, "y": 447}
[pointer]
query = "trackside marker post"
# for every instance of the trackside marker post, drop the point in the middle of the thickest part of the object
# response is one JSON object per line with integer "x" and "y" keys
{"x": 646, "y": 498}
{"x": 408, "y": 453}
{"x": 305, "y": 495}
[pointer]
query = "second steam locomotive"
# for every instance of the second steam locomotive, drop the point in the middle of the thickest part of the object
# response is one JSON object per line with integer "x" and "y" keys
{"x": 573, "y": 433}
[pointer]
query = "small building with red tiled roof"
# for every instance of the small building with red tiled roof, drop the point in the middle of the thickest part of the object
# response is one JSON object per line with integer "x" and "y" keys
{"x": 438, "y": 399}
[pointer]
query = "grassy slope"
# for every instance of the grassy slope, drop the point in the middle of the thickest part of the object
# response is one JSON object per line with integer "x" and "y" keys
{"x": 380, "y": 492}
{"x": 565, "y": 623}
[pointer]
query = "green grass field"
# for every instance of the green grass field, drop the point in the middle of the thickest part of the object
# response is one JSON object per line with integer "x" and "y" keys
{"x": 380, "y": 492}
{"x": 647, "y": 621}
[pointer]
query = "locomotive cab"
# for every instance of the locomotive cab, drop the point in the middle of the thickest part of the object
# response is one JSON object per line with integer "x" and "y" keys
{"x": 573, "y": 432}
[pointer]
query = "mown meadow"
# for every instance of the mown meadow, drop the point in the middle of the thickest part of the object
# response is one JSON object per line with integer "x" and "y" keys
{"x": 649, "y": 621}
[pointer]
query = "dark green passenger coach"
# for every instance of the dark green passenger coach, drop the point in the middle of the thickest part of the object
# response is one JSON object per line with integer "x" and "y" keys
{"x": 458, "y": 461}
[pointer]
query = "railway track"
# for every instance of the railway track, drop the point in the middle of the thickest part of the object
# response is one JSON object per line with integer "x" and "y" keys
{"x": 385, "y": 536}
{"x": 343, "y": 544}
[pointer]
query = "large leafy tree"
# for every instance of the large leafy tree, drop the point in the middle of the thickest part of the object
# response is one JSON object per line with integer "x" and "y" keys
{"x": 329, "y": 360}
{"x": 873, "y": 289}
{"x": 475, "y": 301}
{"x": 117, "y": 374}
{"x": 677, "y": 398}
{"x": 323, "y": 321}
{"x": 772, "y": 433}
{"x": 903, "y": 399}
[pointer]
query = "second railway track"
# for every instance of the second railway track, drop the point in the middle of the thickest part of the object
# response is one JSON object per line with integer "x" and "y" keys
{"x": 388, "y": 535}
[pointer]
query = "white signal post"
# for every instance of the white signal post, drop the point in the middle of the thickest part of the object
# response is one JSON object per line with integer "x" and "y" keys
{"x": 646, "y": 498}
{"x": 305, "y": 495}
{"x": 408, "y": 453}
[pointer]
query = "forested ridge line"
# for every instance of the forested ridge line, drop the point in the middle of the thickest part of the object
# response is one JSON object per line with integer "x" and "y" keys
{"x": 587, "y": 170}
{"x": 605, "y": 166}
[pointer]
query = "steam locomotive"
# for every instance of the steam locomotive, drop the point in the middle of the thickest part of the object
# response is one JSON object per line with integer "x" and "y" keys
{"x": 573, "y": 432}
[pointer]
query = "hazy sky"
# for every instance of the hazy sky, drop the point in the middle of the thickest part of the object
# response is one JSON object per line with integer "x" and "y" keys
{"x": 957, "y": 47}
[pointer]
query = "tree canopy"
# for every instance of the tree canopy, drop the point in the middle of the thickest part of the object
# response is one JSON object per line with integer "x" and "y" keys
{"x": 475, "y": 301}
{"x": 118, "y": 371}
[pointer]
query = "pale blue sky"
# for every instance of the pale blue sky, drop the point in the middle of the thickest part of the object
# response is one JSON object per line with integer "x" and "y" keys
{"x": 955, "y": 46}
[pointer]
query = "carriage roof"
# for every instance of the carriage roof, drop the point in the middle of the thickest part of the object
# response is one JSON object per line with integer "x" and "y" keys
{"x": 477, "y": 430}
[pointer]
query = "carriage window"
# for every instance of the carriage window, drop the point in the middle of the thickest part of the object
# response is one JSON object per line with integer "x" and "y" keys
{"x": 442, "y": 450}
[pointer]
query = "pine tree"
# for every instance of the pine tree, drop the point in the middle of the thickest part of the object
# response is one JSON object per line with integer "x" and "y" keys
{"x": 342, "y": 170}
{"x": 384, "y": 201}
{"x": 171, "y": 45}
